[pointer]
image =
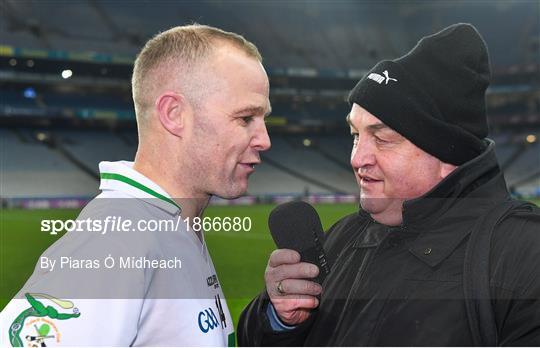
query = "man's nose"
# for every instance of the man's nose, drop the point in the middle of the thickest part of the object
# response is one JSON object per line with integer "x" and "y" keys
{"x": 261, "y": 140}
{"x": 362, "y": 155}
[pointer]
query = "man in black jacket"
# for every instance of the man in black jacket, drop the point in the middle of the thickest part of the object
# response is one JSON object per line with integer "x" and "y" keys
{"x": 429, "y": 185}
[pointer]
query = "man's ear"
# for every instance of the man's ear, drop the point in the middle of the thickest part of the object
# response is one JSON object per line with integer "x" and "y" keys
{"x": 171, "y": 108}
{"x": 446, "y": 169}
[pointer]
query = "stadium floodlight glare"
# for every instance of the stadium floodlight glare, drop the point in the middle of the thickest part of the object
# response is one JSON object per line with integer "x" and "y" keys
{"x": 29, "y": 93}
{"x": 41, "y": 136}
{"x": 66, "y": 74}
{"x": 531, "y": 138}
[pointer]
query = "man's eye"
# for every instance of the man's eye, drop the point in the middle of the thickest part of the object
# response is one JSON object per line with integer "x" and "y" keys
{"x": 247, "y": 119}
{"x": 380, "y": 141}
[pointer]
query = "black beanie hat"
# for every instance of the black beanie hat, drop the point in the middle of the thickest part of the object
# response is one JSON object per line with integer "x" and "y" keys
{"x": 435, "y": 94}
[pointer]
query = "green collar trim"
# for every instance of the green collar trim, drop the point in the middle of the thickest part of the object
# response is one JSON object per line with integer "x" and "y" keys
{"x": 125, "y": 179}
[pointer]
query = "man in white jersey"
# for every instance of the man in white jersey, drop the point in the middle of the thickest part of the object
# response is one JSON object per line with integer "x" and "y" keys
{"x": 200, "y": 95}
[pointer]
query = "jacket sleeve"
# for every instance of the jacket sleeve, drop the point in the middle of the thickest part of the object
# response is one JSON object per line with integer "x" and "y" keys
{"x": 254, "y": 327}
{"x": 515, "y": 280}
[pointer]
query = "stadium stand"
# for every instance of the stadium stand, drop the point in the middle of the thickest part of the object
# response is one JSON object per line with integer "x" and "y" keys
{"x": 505, "y": 153}
{"x": 80, "y": 100}
{"x": 92, "y": 147}
{"x": 342, "y": 35}
{"x": 314, "y": 55}
{"x": 529, "y": 187}
{"x": 337, "y": 147}
{"x": 291, "y": 153}
{"x": 34, "y": 170}
{"x": 269, "y": 180}
{"x": 16, "y": 98}
{"x": 525, "y": 166}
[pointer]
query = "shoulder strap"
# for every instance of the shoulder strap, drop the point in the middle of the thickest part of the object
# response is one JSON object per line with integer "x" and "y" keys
{"x": 476, "y": 274}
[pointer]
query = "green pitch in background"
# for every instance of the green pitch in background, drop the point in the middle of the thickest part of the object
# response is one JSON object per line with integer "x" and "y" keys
{"x": 239, "y": 257}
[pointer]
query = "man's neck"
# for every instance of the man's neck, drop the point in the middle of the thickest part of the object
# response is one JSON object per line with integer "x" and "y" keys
{"x": 192, "y": 205}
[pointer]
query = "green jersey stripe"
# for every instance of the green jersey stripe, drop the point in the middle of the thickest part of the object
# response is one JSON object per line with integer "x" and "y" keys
{"x": 129, "y": 181}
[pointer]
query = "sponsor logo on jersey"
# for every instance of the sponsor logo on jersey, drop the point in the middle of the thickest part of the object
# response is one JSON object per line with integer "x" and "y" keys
{"x": 212, "y": 281}
{"x": 207, "y": 320}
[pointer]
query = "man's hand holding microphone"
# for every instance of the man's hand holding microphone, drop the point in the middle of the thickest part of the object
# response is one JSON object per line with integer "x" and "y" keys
{"x": 297, "y": 269}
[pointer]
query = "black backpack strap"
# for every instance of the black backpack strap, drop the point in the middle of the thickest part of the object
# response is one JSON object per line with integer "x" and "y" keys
{"x": 476, "y": 273}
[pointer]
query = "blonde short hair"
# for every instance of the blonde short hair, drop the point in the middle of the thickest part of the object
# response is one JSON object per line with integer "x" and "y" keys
{"x": 182, "y": 46}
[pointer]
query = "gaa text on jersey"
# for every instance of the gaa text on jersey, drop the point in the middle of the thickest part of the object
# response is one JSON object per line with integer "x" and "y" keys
{"x": 207, "y": 320}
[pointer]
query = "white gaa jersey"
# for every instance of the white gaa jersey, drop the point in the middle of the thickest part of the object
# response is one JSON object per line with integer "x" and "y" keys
{"x": 133, "y": 287}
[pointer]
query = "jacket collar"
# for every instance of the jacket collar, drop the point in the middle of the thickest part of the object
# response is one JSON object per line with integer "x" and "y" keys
{"x": 467, "y": 191}
{"x": 446, "y": 215}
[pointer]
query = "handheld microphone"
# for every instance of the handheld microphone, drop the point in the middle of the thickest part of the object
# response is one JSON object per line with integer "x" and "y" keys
{"x": 297, "y": 226}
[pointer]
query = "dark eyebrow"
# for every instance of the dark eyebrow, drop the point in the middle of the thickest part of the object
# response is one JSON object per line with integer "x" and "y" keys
{"x": 254, "y": 110}
{"x": 377, "y": 127}
{"x": 371, "y": 128}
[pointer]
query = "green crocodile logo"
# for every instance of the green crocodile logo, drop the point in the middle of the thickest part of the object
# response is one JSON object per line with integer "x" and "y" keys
{"x": 37, "y": 309}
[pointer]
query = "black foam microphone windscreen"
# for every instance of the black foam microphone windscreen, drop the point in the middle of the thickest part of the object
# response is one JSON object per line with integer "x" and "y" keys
{"x": 296, "y": 225}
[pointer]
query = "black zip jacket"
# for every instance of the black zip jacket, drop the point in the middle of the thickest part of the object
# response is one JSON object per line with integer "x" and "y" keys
{"x": 402, "y": 286}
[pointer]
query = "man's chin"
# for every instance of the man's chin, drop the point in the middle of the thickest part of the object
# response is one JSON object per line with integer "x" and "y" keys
{"x": 374, "y": 205}
{"x": 232, "y": 192}
{"x": 229, "y": 195}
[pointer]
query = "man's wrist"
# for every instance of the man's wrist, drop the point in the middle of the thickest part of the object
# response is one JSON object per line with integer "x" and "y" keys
{"x": 275, "y": 321}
